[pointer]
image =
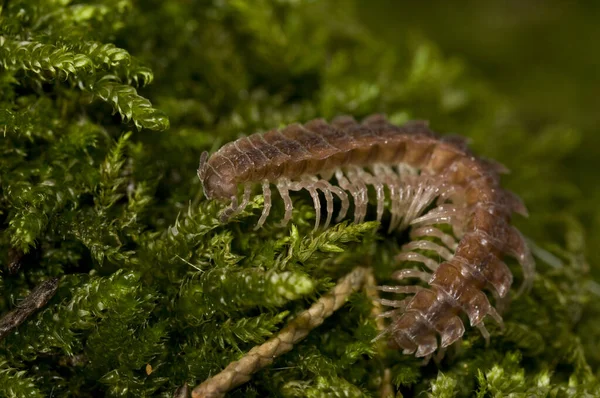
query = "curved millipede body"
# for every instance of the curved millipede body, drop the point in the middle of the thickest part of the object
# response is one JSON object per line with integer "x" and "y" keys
{"x": 428, "y": 181}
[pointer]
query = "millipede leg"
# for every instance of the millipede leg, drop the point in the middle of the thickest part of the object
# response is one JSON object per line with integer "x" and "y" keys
{"x": 389, "y": 314}
{"x": 440, "y": 355}
{"x": 394, "y": 197}
{"x": 410, "y": 196}
{"x": 400, "y": 289}
{"x": 435, "y": 218}
{"x": 267, "y": 208}
{"x": 450, "y": 193}
{"x": 418, "y": 258}
{"x": 528, "y": 265}
{"x": 326, "y": 189}
{"x": 398, "y": 304}
{"x": 345, "y": 202}
{"x": 484, "y": 333}
{"x": 284, "y": 192}
{"x": 392, "y": 180}
{"x": 346, "y": 185}
{"x": 359, "y": 180}
{"x": 377, "y": 180}
{"x": 246, "y": 197}
{"x": 430, "y": 246}
{"x": 404, "y": 194}
{"x": 380, "y": 200}
{"x": 423, "y": 193}
{"x": 412, "y": 273}
{"x": 501, "y": 303}
{"x": 448, "y": 240}
{"x": 315, "y": 197}
{"x": 496, "y": 317}
{"x": 443, "y": 214}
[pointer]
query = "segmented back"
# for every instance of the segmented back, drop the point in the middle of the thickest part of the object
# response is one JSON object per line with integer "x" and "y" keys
{"x": 413, "y": 168}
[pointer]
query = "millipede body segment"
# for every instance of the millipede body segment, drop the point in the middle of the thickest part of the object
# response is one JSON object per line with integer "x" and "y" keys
{"x": 449, "y": 198}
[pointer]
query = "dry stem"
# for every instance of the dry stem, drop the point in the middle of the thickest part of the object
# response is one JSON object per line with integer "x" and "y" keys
{"x": 386, "y": 389}
{"x": 239, "y": 372}
{"x": 39, "y": 296}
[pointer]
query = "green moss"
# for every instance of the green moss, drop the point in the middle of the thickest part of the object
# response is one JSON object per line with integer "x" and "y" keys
{"x": 104, "y": 111}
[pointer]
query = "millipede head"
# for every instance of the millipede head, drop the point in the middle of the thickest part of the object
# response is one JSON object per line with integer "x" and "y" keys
{"x": 202, "y": 166}
{"x": 214, "y": 183}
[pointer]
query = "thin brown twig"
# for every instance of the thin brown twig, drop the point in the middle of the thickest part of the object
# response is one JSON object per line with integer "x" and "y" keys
{"x": 386, "y": 389}
{"x": 371, "y": 292}
{"x": 39, "y": 296}
{"x": 239, "y": 372}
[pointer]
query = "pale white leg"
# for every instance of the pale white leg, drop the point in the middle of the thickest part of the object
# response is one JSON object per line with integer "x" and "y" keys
{"x": 427, "y": 194}
{"x": 315, "y": 197}
{"x": 267, "y": 207}
{"x": 380, "y": 200}
{"x": 528, "y": 265}
{"x": 346, "y": 185}
{"x": 398, "y": 304}
{"x": 452, "y": 193}
{"x": 431, "y": 219}
{"x": 484, "y": 333}
{"x": 450, "y": 219}
{"x": 345, "y": 202}
{"x": 392, "y": 181}
{"x": 284, "y": 192}
{"x": 377, "y": 183}
{"x": 408, "y": 195}
{"x": 446, "y": 239}
{"x": 389, "y": 314}
{"x": 329, "y": 201}
{"x": 411, "y": 193}
{"x": 442, "y": 214}
{"x": 428, "y": 245}
{"x": 500, "y": 302}
{"x": 422, "y": 194}
{"x": 404, "y": 193}
{"x": 246, "y": 197}
{"x": 496, "y": 317}
{"x": 326, "y": 189}
{"x": 395, "y": 199}
{"x": 361, "y": 178}
{"x": 412, "y": 273}
{"x": 360, "y": 203}
{"x": 400, "y": 289}
{"x": 419, "y": 258}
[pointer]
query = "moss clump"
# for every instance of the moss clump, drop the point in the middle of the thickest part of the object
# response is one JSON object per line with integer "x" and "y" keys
{"x": 98, "y": 186}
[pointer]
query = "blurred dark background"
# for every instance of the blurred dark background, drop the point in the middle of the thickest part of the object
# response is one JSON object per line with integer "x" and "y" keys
{"x": 543, "y": 54}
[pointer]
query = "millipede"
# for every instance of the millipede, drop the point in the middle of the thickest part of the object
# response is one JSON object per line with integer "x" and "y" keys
{"x": 449, "y": 198}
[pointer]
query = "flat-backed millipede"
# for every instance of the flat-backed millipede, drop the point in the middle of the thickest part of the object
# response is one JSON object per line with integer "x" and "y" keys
{"x": 428, "y": 181}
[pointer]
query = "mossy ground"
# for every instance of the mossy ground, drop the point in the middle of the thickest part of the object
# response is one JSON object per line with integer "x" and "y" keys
{"x": 105, "y": 108}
